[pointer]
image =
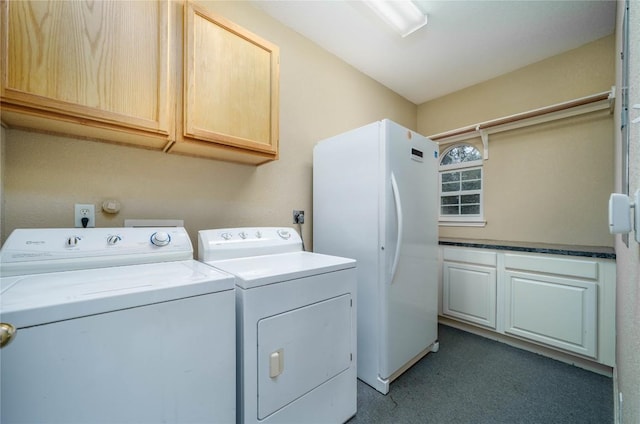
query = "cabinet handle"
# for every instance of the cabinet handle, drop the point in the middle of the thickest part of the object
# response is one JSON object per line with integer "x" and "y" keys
{"x": 7, "y": 332}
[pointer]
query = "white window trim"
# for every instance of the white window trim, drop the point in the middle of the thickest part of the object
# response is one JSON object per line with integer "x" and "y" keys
{"x": 461, "y": 165}
{"x": 461, "y": 221}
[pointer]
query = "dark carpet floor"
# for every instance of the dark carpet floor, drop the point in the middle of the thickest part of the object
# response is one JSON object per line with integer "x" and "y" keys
{"x": 476, "y": 380}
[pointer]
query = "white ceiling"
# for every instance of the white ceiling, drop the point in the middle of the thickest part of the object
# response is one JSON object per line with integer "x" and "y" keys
{"x": 464, "y": 43}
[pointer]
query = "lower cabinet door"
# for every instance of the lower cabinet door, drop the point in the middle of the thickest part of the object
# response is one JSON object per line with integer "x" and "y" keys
{"x": 559, "y": 312}
{"x": 469, "y": 293}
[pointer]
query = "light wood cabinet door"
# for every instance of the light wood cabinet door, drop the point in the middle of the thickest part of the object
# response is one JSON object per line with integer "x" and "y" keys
{"x": 98, "y": 63}
{"x": 231, "y": 90}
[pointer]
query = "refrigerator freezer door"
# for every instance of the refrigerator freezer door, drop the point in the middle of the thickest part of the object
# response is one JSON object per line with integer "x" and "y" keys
{"x": 409, "y": 314}
{"x": 356, "y": 216}
{"x": 346, "y": 178}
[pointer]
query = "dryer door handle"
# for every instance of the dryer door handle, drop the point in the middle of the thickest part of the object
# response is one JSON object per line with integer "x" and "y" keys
{"x": 276, "y": 363}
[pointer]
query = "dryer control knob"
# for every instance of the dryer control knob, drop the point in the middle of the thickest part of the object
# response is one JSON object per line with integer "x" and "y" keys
{"x": 160, "y": 238}
{"x": 73, "y": 241}
{"x": 285, "y": 234}
{"x": 111, "y": 240}
{"x": 243, "y": 235}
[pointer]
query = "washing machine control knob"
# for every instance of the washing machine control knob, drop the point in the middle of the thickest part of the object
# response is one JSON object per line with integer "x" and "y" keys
{"x": 73, "y": 241}
{"x": 160, "y": 238}
{"x": 226, "y": 236}
{"x": 258, "y": 234}
{"x": 243, "y": 235}
{"x": 111, "y": 240}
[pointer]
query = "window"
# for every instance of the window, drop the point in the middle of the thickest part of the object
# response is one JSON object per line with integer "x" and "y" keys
{"x": 461, "y": 186}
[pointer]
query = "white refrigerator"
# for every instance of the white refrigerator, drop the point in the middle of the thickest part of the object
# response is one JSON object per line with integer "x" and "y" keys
{"x": 375, "y": 199}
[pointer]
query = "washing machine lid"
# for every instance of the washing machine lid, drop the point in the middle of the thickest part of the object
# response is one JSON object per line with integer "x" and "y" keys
{"x": 29, "y": 300}
{"x": 256, "y": 271}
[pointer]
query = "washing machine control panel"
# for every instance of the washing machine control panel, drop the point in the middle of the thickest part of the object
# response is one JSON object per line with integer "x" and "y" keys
{"x": 227, "y": 243}
{"x": 30, "y": 251}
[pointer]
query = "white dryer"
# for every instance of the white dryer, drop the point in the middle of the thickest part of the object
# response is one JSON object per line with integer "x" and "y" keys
{"x": 296, "y": 325}
{"x": 114, "y": 325}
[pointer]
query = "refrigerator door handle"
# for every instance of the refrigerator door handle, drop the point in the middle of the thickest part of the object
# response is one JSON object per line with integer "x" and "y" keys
{"x": 398, "y": 203}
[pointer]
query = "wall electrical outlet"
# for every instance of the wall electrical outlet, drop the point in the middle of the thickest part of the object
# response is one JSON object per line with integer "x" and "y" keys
{"x": 298, "y": 217}
{"x": 84, "y": 211}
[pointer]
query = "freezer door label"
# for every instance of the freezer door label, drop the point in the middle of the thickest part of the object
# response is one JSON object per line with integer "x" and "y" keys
{"x": 417, "y": 155}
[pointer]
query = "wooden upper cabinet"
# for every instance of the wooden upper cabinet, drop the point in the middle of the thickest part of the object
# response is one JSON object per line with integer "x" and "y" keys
{"x": 231, "y": 91}
{"x": 101, "y": 64}
{"x": 166, "y": 75}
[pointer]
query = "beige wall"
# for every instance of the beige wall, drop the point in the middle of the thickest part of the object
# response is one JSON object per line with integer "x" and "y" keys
{"x": 628, "y": 258}
{"x": 547, "y": 183}
{"x": 320, "y": 96}
{"x": 577, "y": 73}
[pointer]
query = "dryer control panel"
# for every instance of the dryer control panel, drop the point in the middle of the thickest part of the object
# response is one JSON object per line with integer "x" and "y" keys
{"x": 230, "y": 243}
{"x": 38, "y": 250}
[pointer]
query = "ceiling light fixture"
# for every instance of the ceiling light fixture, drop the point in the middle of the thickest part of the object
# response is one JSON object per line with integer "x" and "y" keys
{"x": 402, "y": 15}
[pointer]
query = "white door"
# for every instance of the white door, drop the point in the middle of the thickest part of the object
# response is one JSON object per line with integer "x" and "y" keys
{"x": 469, "y": 293}
{"x": 301, "y": 349}
{"x": 410, "y": 313}
{"x": 560, "y": 312}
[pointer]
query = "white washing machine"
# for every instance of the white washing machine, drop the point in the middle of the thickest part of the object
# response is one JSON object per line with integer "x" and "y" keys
{"x": 296, "y": 325}
{"x": 114, "y": 325}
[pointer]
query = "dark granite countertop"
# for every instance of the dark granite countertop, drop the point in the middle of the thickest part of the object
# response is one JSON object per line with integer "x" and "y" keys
{"x": 601, "y": 252}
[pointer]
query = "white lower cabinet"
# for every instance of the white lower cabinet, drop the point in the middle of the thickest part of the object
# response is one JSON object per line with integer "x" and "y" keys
{"x": 561, "y": 302}
{"x": 469, "y": 286}
{"x": 555, "y": 311}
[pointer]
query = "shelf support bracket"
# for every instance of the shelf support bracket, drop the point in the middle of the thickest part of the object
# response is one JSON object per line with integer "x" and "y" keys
{"x": 485, "y": 141}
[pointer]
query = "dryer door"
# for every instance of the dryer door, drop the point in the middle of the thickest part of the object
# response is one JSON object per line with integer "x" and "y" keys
{"x": 301, "y": 349}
